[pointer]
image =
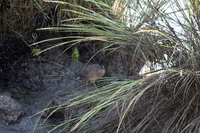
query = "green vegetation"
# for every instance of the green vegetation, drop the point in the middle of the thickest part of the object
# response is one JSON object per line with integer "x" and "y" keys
{"x": 75, "y": 55}
{"x": 24, "y": 94}
{"x": 134, "y": 33}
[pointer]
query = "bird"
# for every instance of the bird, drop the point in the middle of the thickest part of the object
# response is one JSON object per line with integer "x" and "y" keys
{"x": 92, "y": 72}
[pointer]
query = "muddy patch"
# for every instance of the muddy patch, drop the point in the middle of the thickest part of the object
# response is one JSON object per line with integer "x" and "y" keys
{"x": 38, "y": 83}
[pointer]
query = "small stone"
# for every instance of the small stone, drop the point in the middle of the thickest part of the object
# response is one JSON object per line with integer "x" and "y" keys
{"x": 10, "y": 109}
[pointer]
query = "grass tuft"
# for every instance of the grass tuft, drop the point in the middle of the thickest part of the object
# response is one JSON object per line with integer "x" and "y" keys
{"x": 133, "y": 34}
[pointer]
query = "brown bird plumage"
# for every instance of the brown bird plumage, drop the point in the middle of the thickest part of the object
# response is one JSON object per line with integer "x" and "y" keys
{"x": 92, "y": 72}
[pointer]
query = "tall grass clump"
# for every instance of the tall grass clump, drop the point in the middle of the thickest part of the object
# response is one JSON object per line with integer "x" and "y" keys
{"x": 165, "y": 33}
{"x": 20, "y": 18}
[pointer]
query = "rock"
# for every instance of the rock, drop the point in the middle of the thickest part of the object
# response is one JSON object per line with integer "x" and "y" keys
{"x": 10, "y": 109}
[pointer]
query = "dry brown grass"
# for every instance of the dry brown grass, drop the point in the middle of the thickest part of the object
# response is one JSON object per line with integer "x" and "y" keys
{"x": 20, "y": 18}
